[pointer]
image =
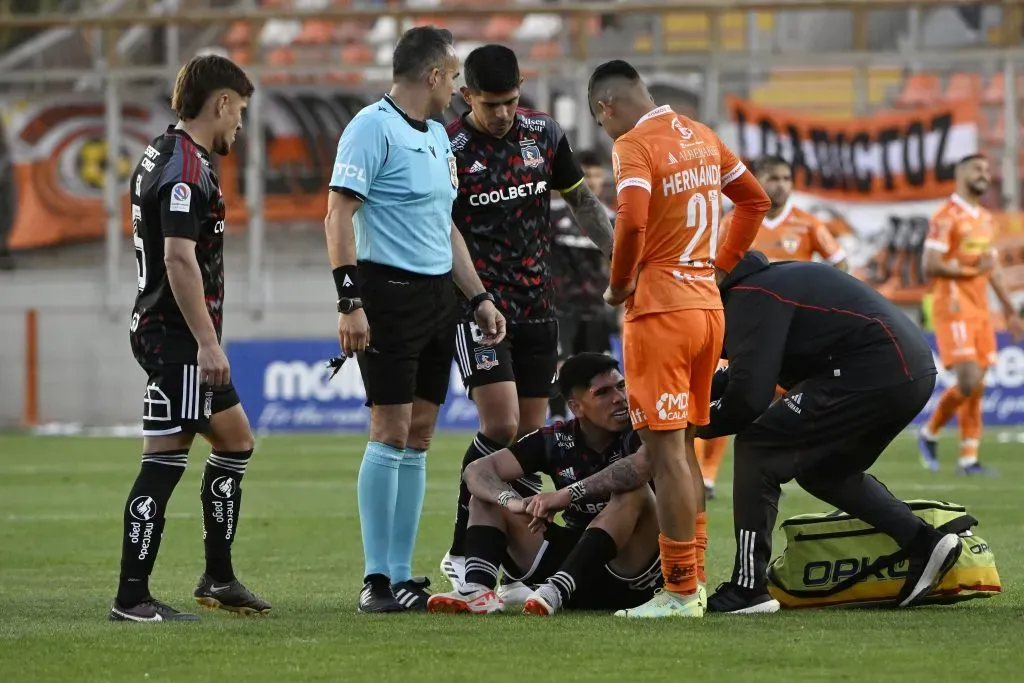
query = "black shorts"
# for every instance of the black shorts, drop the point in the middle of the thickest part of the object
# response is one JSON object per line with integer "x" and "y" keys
{"x": 820, "y": 429}
{"x": 176, "y": 401}
{"x": 578, "y": 334}
{"x": 527, "y": 356}
{"x": 605, "y": 591}
{"x": 411, "y": 345}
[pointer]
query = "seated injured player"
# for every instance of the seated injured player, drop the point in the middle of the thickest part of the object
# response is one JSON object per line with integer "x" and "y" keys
{"x": 604, "y": 556}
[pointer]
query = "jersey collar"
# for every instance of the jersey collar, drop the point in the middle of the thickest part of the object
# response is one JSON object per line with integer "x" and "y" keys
{"x": 772, "y": 223}
{"x": 654, "y": 113}
{"x": 974, "y": 211}
{"x": 174, "y": 130}
{"x": 421, "y": 126}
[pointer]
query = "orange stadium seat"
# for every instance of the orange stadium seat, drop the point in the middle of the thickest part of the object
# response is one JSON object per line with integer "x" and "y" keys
{"x": 316, "y": 32}
{"x": 919, "y": 90}
{"x": 546, "y": 51}
{"x": 994, "y": 89}
{"x": 963, "y": 86}
{"x": 357, "y": 53}
{"x": 238, "y": 35}
{"x": 501, "y": 28}
{"x": 240, "y": 56}
{"x": 280, "y": 56}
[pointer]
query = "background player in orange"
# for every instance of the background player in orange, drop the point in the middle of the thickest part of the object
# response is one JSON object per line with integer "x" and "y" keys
{"x": 670, "y": 172}
{"x": 787, "y": 233}
{"x": 960, "y": 258}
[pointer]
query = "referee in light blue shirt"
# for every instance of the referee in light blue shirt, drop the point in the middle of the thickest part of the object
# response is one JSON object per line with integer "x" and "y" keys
{"x": 395, "y": 255}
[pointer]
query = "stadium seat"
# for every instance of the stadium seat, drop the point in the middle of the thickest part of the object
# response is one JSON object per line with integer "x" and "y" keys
{"x": 994, "y": 92}
{"x": 919, "y": 90}
{"x": 826, "y": 91}
{"x": 500, "y": 29}
{"x": 538, "y": 27}
{"x": 546, "y": 51}
{"x": 963, "y": 86}
{"x": 357, "y": 53}
{"x": 883, "y": 84}
{"x": 238, "y": 35}
{"x": 315, "y": 32}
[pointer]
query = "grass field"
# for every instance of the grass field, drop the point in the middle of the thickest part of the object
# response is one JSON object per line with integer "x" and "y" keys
{"x": 298, "y": 545}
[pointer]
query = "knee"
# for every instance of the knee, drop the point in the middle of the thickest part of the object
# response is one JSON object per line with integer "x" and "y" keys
{"x": 393, "y": 431}
{"x": 968, "y": 385}
{"x": 234, "y": 443}
{"x": 421, "y": 434}
{"x": 502, "y": 431}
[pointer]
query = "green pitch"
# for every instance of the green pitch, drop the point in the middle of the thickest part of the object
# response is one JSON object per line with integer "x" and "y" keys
{"x": 298, "y": 545}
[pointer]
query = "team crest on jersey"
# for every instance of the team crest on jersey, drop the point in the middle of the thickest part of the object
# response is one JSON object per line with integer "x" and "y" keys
{"x": 790, "y": 244}
{"x": 486, "y": 359}
{"x": 531, "y": 155}
{"x": 454, "y": 171}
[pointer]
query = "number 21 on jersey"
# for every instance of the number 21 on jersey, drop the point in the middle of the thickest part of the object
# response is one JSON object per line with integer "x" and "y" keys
{"x": 702, "y": 214}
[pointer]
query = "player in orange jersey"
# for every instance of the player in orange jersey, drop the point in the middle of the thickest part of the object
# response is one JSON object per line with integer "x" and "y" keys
{"x": 787, "y": 233}
{"x": 960, "y": 258}
{"x": 670, "y": 172}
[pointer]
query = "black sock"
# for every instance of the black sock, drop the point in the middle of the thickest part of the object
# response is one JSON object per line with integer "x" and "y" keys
{"x": 595, "y": 549}
{"x": 222, "y": 500}
{"x": 485, "y": 547}
{"x": 480, "y": 447}
{"x": 144, "y": 522}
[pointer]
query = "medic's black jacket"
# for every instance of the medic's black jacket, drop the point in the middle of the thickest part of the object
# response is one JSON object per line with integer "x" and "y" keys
{"x": 792, "y": 321}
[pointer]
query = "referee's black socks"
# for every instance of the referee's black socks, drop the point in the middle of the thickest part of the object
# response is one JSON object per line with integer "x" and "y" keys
{"x": 144, "y": 522}
{"x": 221, "y": 494}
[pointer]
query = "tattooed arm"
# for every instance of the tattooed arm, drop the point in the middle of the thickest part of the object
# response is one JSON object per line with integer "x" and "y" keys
{"x": 592, "y": 216}
{"x": 621, "y": 476}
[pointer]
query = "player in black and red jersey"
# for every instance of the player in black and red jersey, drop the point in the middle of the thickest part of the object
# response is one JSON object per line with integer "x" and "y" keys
{"x": 605, "y": 556}
{"x": 509, "y": 159}
{"x": 178, "y": 227}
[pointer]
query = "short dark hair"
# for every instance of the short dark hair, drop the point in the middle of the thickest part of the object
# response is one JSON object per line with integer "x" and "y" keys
{"x": 201, "y": 77}
{"x": 419, "y": 50}
{"x": 580, "y": 370}
{"x": 590, "y": 157}
{"x": 492, "y": 68}
{"x": 617, "y": 68}
{"x": 764, "y": 163}
{"x": 971, "y": 157}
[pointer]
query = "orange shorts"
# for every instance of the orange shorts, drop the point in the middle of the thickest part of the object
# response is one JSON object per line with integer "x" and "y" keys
{"x": 669, "y": 360}
{"x": 966, "y": 338}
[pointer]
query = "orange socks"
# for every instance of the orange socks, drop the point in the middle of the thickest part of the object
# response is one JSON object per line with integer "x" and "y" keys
{"x": 678, "y": 565}
{"x": 949, "y": 403}
{"x": 701, "y": 543}
{"x": 710, "y": 454}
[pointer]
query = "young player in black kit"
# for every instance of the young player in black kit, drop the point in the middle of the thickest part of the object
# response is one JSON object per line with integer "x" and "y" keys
{"x": 606, "y": 554}
{"x": 509, "y": 159}
{"x": 178, "y": 227}
{"x": 857, "y": 371}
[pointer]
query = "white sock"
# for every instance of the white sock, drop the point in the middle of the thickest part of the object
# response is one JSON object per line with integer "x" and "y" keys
{"x": 967, "y": 460}
{"x": 927, "y": 435}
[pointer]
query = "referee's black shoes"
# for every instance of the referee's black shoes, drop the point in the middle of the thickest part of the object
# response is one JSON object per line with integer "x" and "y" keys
{"x": 376, "y": 596}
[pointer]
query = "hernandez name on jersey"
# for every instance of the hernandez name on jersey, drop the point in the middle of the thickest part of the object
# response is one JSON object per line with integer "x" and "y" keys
{"x": 174, "y": 193}
{"x": 558, "y": 451}
{"x": 504, "y": 207}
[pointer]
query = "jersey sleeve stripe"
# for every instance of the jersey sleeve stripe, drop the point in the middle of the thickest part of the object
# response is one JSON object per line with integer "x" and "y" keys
{"x": 936, "y": 245}
{"x": 633, "y": 182}
{"x": 735, "y": 173}
{"x": 573, "y": 187}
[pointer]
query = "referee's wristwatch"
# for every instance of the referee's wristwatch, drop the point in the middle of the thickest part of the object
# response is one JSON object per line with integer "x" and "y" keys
{"x": 346, "y": 305}
{"x": 475, "y": 302}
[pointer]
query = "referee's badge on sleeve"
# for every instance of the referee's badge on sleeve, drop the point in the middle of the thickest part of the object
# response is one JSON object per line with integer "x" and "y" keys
{"x": 453, "y": 169}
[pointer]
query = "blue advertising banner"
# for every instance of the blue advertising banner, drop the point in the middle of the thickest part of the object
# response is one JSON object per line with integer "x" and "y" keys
{"x": 284, "y": 386}
{"x": 1004, "y": 385}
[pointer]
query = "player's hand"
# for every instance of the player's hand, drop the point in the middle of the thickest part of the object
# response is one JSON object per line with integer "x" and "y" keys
{"x": 214, "y": 370}
{"x": 1016, "y": 327}
{"x": 353, "y": 332}
{"x": 545, "y": 505}
{"x": 613, "y": 296}
{"x": 491, "y": 322}
{"x": 986, "y": 263}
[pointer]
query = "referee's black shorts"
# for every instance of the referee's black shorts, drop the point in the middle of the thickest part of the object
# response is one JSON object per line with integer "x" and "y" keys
{"x": 821, "y": 430}
{"x": 411, "y": 319}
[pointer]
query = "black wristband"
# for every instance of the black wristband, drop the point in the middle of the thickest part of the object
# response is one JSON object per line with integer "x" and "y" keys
{"x": 475, "y": 302}
{"x": 346, "y": 282}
